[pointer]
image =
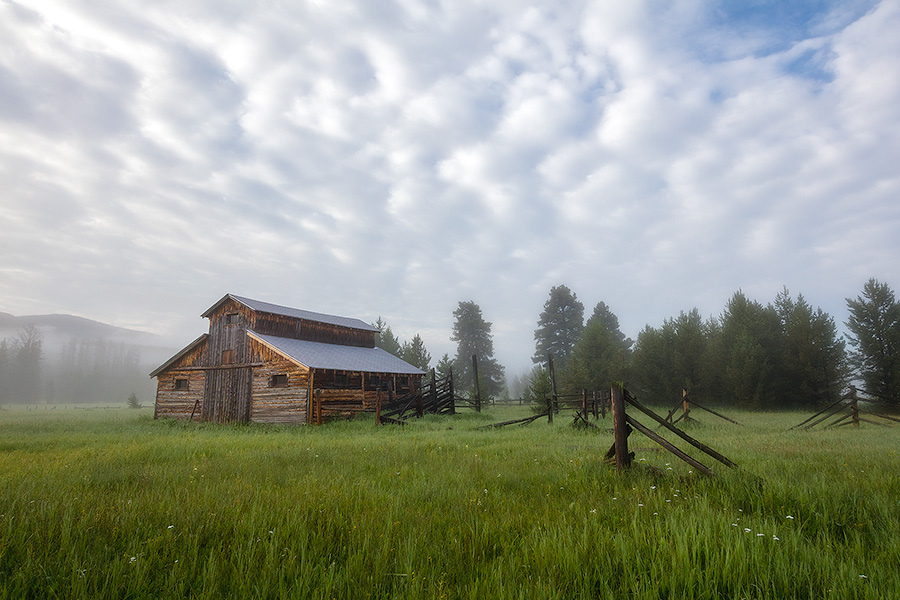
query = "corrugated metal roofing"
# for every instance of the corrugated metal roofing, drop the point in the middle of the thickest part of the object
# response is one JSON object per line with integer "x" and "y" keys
{"x": 317, "y": 355}
{"x": 287, "y": 311}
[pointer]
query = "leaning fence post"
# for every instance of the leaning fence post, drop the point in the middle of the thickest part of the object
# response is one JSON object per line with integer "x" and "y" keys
{"x": 620, "y": 428}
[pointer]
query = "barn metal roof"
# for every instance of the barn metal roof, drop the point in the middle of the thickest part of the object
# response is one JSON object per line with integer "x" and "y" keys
{"x": 297, "y": 313}
{"x": 318, "y": 355}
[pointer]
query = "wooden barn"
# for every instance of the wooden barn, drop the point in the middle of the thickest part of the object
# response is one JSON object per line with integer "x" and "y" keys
{"x": 265, "y": 363}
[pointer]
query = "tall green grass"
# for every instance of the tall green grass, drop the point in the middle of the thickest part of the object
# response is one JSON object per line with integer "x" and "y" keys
{"x": 112, "y": 504}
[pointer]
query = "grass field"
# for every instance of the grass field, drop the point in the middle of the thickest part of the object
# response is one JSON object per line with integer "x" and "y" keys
{"x": 112, "y": 504}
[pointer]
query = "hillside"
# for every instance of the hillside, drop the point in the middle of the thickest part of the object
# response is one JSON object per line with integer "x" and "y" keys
{"x": 82, "y": 360}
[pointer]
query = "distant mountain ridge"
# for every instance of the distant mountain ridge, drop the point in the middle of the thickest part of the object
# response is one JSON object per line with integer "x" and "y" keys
{"x": 60, "y": 328}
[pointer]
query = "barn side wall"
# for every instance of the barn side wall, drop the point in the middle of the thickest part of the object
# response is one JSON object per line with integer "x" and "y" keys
{"x": 286, "y": 404}
{"x": 178, "y": 404}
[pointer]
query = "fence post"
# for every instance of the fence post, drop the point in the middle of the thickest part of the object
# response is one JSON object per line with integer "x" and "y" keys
{"x": 434, "y": 394}
{"x": 620, "y": 428}
{"x": 549, "y": 410}
{"x": 684, "y": 403}
{"x": 584, "y": 404}
{"x": 452, "y": 392}
{"x": 596, "y": 408}
{"x": 854, "y": 406}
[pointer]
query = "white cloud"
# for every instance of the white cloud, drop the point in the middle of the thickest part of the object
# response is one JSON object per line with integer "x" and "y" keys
{"x": 393, "y": 158}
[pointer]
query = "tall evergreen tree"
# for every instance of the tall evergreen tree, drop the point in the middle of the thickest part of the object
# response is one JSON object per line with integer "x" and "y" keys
{"x": 750, "y": 336}
{"x": 559, "y": 327}
{"x": 385, "y": 338}
{"x": 874, "y": 325}
{"x": 473, "y": 337}
{"x": 601, "y": 356}
{"x": 416, "y": 354}
{"x": 813, "y": 367}
{"x": 671, "y": 359}
{"x": 444, "y": 366}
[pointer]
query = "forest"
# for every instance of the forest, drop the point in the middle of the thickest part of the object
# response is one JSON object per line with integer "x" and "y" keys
{"x": 781, "y": 355}
{"x": 83, "y": 370}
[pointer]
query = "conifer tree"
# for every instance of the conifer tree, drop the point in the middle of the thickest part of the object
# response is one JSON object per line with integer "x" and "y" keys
{"x": 874, "y": 325}
{"x": 559, "y": 327}
{"x": 473, "y": 337}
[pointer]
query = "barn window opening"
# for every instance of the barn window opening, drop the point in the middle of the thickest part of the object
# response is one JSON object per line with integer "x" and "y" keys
{"x": 181, "y": 384}
{"x": 341, "y": 379}
{"x": 280, "y": 380}
{"x": 227, "y": 357}
{"x": 231, "y": 319}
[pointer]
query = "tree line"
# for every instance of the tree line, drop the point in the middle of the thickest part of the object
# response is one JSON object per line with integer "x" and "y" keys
{"x": 784, "y": 354}
{"x": 85, "y": 370}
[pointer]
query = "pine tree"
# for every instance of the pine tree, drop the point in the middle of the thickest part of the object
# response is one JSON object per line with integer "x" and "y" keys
{"x": 813, "y": 366}
{"x": 473, "y": 337}
{"x": 874, "y": 325}
{"x": 416, "y": 354}
{"x": 559, "y": 327}
{"x": 385, "y": 338}
{"x": 444, "y": 366}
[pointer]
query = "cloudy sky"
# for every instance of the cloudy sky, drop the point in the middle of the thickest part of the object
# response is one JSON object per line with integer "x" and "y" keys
{"x": 395, "y": 157}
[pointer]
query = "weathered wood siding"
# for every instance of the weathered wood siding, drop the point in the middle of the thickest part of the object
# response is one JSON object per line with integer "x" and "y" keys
{"x": 225, "y": 335}
{"x": 277, "y": 404}
{"x": 178, "y": 404}
{"x": 226, "y": 397}
{"x": 301, "y": 329}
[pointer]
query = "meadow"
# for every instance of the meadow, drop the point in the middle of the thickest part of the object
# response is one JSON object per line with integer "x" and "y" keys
{"x": 112, "y": 504}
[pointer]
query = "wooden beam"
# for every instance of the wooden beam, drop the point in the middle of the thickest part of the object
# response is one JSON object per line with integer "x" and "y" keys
{"x": 695, "y": 443}
{"x": 669, "y": 446}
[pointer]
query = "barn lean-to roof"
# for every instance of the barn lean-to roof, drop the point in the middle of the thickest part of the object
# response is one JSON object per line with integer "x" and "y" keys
{"x": 306, "y": 315}
{"x": 182, "y": 352}
{"x": 318, "y": 355}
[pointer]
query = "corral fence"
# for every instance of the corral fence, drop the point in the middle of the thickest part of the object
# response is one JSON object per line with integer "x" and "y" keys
{"x": 436, "y": 396}
{"x": 846, "y": 411}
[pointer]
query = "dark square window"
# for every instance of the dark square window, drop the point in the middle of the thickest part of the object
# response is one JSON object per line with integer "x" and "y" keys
{"x": 181, "y": 384}
{"x": 231, "y": 319}
{"x": 280, "y": 380}
{"x": 227, "y": 357}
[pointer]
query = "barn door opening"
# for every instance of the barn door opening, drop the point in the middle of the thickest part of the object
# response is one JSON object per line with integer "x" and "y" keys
{"x": 226, "y": 397}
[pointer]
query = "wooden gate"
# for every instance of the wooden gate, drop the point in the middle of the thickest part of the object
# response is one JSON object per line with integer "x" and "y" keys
{"x": 226, "y": 396}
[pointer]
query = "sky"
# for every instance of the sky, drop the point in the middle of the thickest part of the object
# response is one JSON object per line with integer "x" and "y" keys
{"x": 393, "y": 158}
